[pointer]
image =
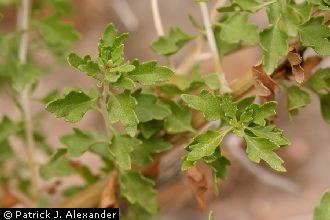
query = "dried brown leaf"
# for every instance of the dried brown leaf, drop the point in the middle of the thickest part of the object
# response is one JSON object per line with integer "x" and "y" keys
{"x": 298, "y": 73}
{"x": 261, "y": 89}
{"x": 108, "y": 197}
{"x": 198, "y": 183}
{"x": 294, "y": 58}
{"x": 264, "y": 82}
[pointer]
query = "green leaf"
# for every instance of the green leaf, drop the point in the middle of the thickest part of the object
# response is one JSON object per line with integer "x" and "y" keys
{"x": 111, "y": 38}
{"x": 109, "y": 35}
{"x": 70, "y": 191}
{"x": 319, "y": 82}
{"x": 218, "y": 164}
{"x": 243, "y": 104}
{"x": 263, "y": 112}
{"x": 58, "y": 35}
{"x": 212, "y": 81}
{"x": 322, "y": 210}
{"x": 142, "y": 153}
{"x": 245, "y": 5}
{"x": 124, "y": 82}
{"x": 140, "y": 213}
{"x": 288, "y": 16}
{"x": 50, "y": 96}
{"x": 205, "y": 144}
{"x": 86, "y": 174}
{"x": 8, "y": 128}
{"x": 121, "y": 108}
{"x": 316, "y": 35}
{"x": 27, "y": 74}
{"x": 149, "y": 108}
{"x": 237, "y": 28}
{"x": 271, "y": 133}
{"x": 207, "y": 103}
{"x": 224, "y": 47}
{"x": 138, "y": 189}
{"x": 263, "y": 149}
{"x": 79, "y": 142}
{"x": 171, "y": 43}
{"x": 58, "y": 165}
{"x": 180, "y": 119}
{"x": 6, "y": 151}
{"x": 228, "y": 106}
{"x": 111, "y": 47}
{"x": 72, "y": 107}
{"x": 325, "y": 107}
{"x": 85, "y": 65}
{"x": 148, "y": 129}
{"x": 125, "y": 68}
{"x": 121, "y": 147}
{"x": 186, "y": 164}
{"x": 274, "y": 43}
{"x": 297, "y": 98}
{"x": 149, "y": 73}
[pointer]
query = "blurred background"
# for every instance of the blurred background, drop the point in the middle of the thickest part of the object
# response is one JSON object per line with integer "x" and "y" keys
{"x": 242, "y": 196}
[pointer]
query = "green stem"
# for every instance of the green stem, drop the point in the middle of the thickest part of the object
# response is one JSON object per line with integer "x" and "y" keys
{"x": 23, "y": 18}
{"x": 104, "y": 111}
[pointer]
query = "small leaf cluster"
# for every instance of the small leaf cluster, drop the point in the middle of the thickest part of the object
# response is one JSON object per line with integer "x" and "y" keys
{"x": 244, "y": 118}
{"x": 287, "y": 20}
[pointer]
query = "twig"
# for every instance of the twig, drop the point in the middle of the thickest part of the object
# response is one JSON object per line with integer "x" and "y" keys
{"x": 194, "y": 55}
{"x": 159, "y": 26}
{"x": 156, "y": 17}
{"x": 191, "y": 58}
{"x": 25, "y": 101}
{"x": 103, "y": 105}
{"x": 87, "y": 198}
{"x": 213, "y": 47}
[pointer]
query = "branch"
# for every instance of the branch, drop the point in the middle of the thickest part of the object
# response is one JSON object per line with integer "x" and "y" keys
{"x": 87, "y": 198}
{"x": 156, "y": 17}
{"x": 23, "y": 23}
{"x": 213, "y": 47}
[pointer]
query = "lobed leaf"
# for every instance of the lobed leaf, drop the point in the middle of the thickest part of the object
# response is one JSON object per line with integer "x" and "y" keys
{"x": 121, "y": 108}
{"x": 171, "y": 43}
{"x": 72, "y": 107}
{"x": 180, "y": 119}
{"x": 149, "y": 108}
{"x": 275, "y": 45}
{"x": 316, "y": 35}
{"x": 262, "y": 149}
{"x": 237, "y": 28}
{"x": 142, "y": 154}
{"x": 58, "y": 165}
{"x": 205, "y": 144}
{"x": 297, "y": 98}
{"x": 322, "y": 210}
{"x": 149, "y": 73}
{"x": 138, "y": 189}
{"x": 121, "y": 147}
